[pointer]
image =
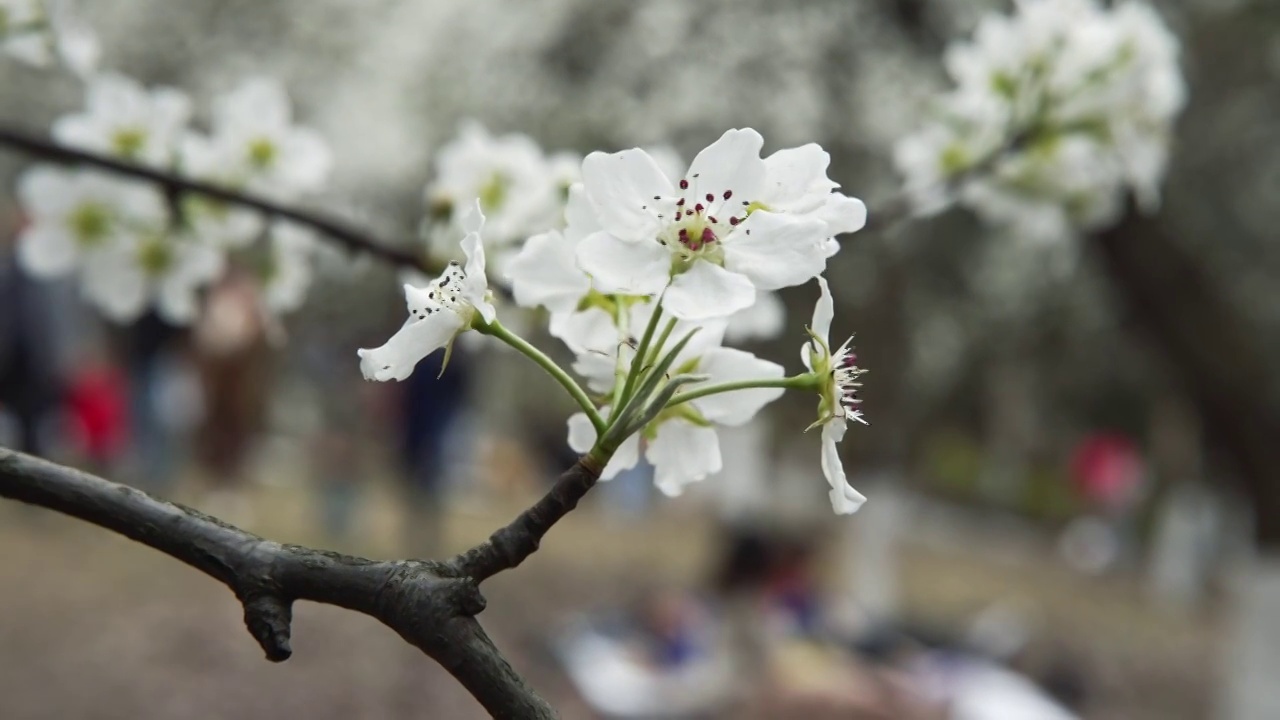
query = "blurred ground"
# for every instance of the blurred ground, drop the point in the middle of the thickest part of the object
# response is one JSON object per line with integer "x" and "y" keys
{"x": 93, "y": 626}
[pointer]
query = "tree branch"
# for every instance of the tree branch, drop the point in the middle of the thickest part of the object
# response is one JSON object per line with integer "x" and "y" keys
{"x": 431, "y": 605}
{"x": 173, "y": 185}
{"x": 509, "y": 546}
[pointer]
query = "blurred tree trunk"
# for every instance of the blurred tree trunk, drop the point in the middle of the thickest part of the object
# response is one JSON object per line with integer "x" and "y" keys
{"x": 1222, "y": 364}
{"x": 1212, "y": 349}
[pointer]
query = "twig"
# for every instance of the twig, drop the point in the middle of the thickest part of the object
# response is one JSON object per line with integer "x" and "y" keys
{"x": 432, "y": 605}
{"x": 174, "y": 185}
{"x": 509, "y": 546}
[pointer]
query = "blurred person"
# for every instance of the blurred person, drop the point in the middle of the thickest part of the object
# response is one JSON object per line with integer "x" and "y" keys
{"x": 431, "y": 404}
{"x": 232, "y": 360}
{"x": 161, "y": 403}
{"x": 97, "y": 410}
{"x": 34, "y": 338}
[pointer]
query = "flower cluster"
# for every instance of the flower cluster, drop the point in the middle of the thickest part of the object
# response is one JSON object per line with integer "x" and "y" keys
{"x": 520, "y": 189}
{"x": 39, "y": 31}
{"x": 133, "y": 246}
{"x": 643, "y": 275}
{"x": 1058, "y": 112}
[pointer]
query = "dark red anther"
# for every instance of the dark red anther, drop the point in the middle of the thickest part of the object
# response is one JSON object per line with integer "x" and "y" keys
{"x": 734, "y": 221}
{"x": 699, "y": 207}
{"x": 728, "y": 194}
{"x": 688, "y": 212}
{"x": 680, "y": 202}
{"x": 711, "y": 198}
{"x": 708, "y": 235}
{"x": 684, "y": 184}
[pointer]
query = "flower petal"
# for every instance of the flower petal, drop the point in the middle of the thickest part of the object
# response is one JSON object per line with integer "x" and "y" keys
{"x": 775, "y": 250}
{"x": 113, "y": 281}
{"x": 842, "y": 214}
{"x": 414, "y": 341}
{"x": 764, "y": 320}
{"x": 823, "y": 312}
{"x": 706, "y": 291}
{"x": 546, "y": 272}
{"x": 844, "y": 499}
{"x": 797, "y": 177}
{"x": 730, "y": 365}
{"x": 582, "y": 437}
{"x": 621, "y": 188}
{"x": 475, "y": 286}
{"x": 683, "y": 453}
{"x": 730, "y": 163}
{"x": 634, "y": 268}
{"x": 47, "y": 250}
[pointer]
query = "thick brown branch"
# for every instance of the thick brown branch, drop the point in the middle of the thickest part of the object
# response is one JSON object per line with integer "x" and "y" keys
{"x": 429, "y": 604}
{"x": 174, "y": 185}
{"x": 509, "y": 546}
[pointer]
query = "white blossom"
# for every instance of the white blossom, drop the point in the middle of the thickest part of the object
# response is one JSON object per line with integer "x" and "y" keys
{"x": 286, "y": 273}
{"x": 255, "y": 144}
{"x": 1058, "y": 111}
{"x": 710, "y": 240}
{"x": 839, "y": 401}
{"x": 124, "y": 119}
{"x": 763, "y": 320}
{"x": 37, "y": 31}
{"x": 438, "y": 312}
{"x": 545, "y": 271}
{"x": 682, "y": 442}
{"x": 74, "y": 216}
{"x": 520, "y": 190}
{"x": 154, "y": 268}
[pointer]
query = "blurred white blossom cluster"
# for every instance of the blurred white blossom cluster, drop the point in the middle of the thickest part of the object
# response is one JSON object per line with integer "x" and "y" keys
{"x": 641, "y": 271}
{"x": 1059, "y": 111}
{"x": 525, "y": 195}
{"x": 38, "y": 32}
{"x": 134, "y": 246}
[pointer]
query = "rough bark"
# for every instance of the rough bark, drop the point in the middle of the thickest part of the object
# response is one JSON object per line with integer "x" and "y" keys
{"x": 430, "y": 604}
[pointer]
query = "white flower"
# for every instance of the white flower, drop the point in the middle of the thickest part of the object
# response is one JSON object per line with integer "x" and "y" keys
{"x": 286, "y": 274}
{"x": 839, "y": 400}
{"x": 545, "y": 271}
{"x": 712, "y": 239}
{"x": 34, "y": 30}
{"x": 22, "y": 30}
{"x": 124, "y": 119}
{"x": 437, "y": 313}
{"x": 256, "y": 145}
{"x": 75, "y": 216}
{"x": 152, "y": 268}
{"x": 1059, "y": 111}
{"x": 764, "y": 320}
{"x": 518, "y": 188}
{"x": 214, "y": 221}
{"x": 682, "y": 442}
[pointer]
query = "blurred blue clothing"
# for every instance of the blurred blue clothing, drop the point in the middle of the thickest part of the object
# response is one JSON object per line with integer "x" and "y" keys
{"x": 431, "y": 403}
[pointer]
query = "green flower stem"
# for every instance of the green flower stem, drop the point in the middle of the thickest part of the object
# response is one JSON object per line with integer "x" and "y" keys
{"x": 638, "y": 362}
{"x": 807, "y": 381}
{"x": 619, "y": 372}
{"x": 497, "y": 330}
{"x": 656, "y": 348}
